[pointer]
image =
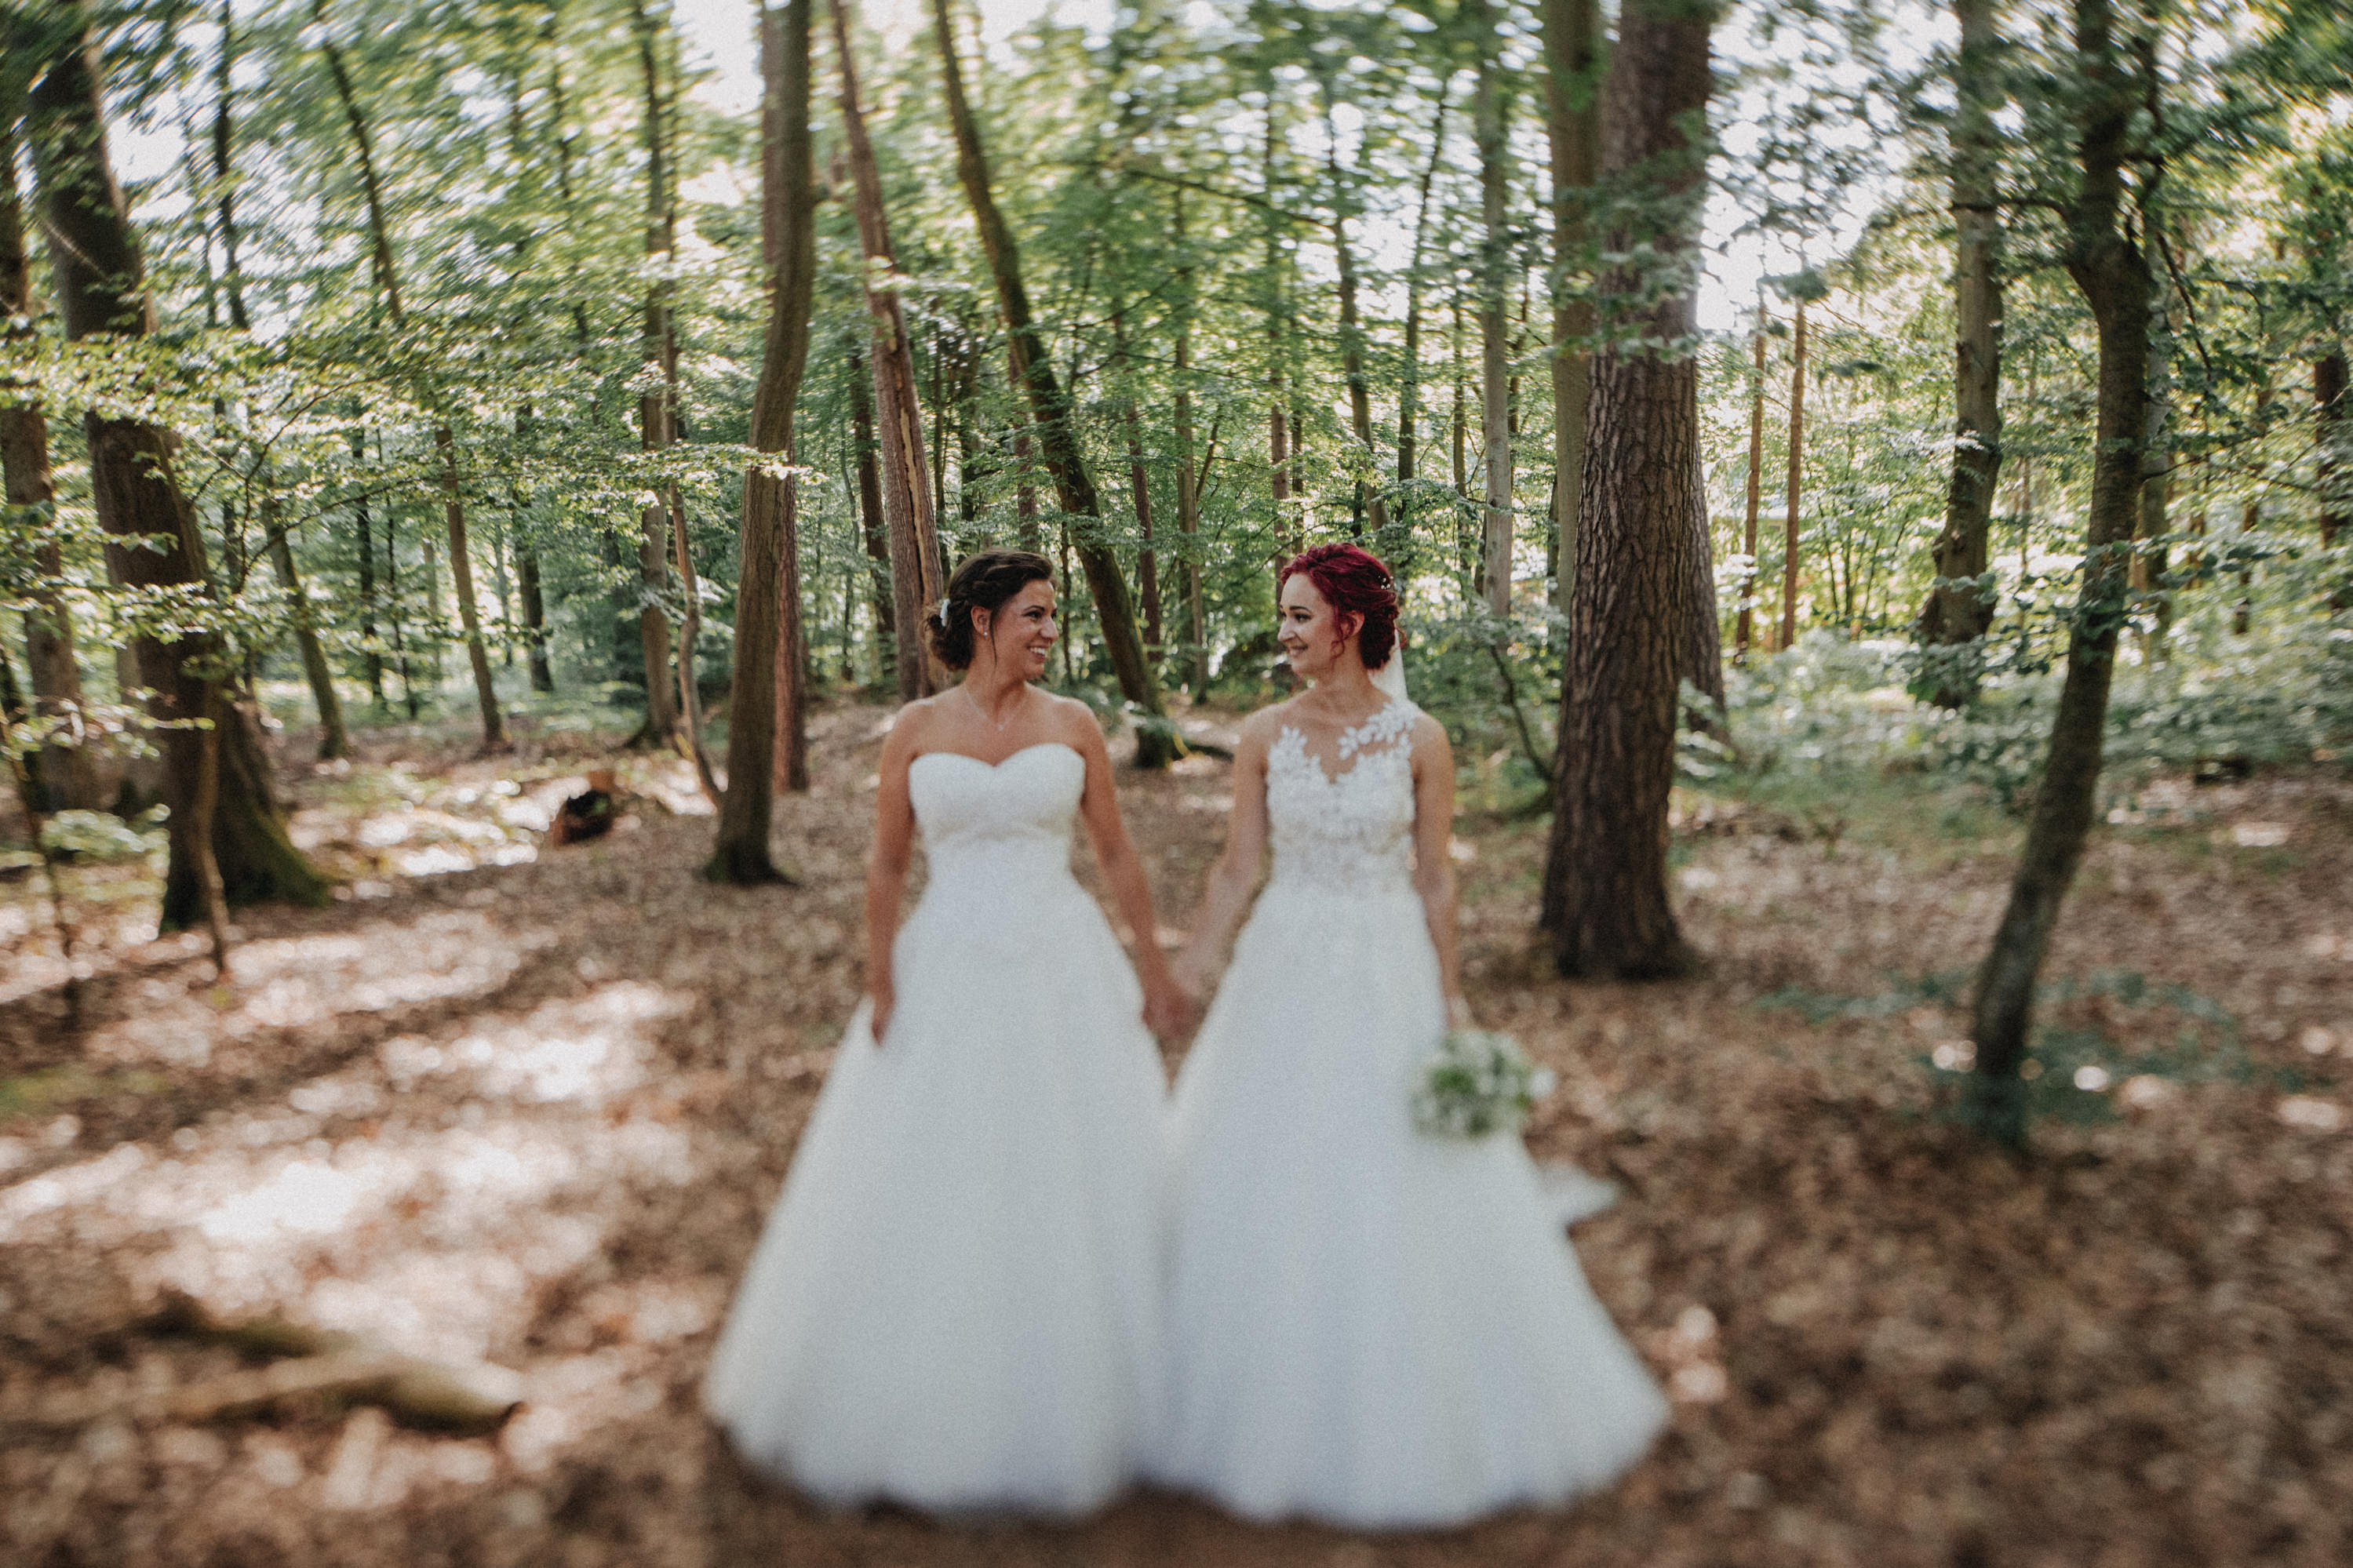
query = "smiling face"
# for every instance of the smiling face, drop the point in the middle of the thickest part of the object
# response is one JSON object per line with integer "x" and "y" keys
{"x": 1018, "y": 632}
{"x": 1314, "y": 635}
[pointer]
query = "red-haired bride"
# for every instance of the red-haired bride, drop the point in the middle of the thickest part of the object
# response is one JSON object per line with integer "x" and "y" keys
{"x": 1367, "y": 1324}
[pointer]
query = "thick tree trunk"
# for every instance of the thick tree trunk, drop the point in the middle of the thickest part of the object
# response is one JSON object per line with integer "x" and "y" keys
{"x": 63, "y": 777}
{"x": 1494, "y": 264}
{"x": 1745, "y": 630}
{"x": 917, "y": 584}
{"x": 1795, "y": 491}
{"x": 102, "y": 289}
{"x": 1606, "y": 901}
{"x": 767, "y": 593}
{"x": 2108, "y": 265}
{"x": 1959, "y": 609}
{"x": 1057, "y": 419}
{"x": 1572, "y": 38}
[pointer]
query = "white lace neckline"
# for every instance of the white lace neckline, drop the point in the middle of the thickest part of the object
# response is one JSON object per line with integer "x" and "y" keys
{"x": 1392, "y": 720}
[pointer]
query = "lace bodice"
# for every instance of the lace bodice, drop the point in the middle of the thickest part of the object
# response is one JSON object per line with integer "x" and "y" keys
{"x": 1351, "y": 832}
{"x": 1009, "y": 818}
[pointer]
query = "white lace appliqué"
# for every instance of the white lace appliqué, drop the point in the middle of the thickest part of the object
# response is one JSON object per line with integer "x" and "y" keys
{"x": 1350, "y": 832}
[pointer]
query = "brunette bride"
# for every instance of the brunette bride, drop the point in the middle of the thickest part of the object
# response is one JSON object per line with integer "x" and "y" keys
{"x": 955, "y": 1303}
{"x": 1367, "y": 1324}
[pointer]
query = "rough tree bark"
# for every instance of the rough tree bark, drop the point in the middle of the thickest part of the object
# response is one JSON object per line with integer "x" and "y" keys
{"x": 1494, "y": 349}
{"x": 767, "y": 593}
{"x": 1572, "y": 40}
{"x": 63, "y": 777}
{"x": 2104, "y": 258}
{"x": 1156, "y": 742}
{"x": 102, "y": 289}
{"x": 915, "y": 578}
{"x": 1959, "y": 610}
{"x": 1605, "y": 903}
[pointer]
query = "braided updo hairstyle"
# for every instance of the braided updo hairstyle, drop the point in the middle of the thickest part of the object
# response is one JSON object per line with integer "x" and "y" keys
{"x": 984, "y": 581}
{"x": 1354, "y": 582}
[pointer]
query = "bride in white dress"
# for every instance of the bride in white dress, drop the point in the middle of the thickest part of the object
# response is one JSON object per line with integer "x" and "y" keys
{"x": 1367, "y": 1324}
{"x": 955, "y": 1303}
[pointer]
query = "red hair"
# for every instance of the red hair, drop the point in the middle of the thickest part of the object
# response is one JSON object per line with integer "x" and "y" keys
{"x": 1354, "y": 582}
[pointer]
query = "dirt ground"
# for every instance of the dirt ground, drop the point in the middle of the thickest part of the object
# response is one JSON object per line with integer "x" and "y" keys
{"x": 529, "y": 1106}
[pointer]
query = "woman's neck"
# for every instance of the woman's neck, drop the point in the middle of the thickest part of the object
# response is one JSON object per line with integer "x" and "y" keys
{"x": 1347, "y": 689}
{"x": 993, "y": 692}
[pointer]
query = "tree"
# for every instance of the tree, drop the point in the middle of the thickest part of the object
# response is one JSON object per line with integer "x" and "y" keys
{"x": 1959, "y": 609}
{"x": 101, "y": 290}
{"x": 1605, "y": 903}
{"x": 1050, "y": 404}
{"x": 906, "y": 497}
{"x": 1747, "y": 626}
{"x": 1572, "y": 40}
{"x": 2104, "y": 258}
{"x": 1795, "y": 494}
{"x": 767, "y": 593}
{"x": 658, "y": 402}
{"x": 1494, "y": 348}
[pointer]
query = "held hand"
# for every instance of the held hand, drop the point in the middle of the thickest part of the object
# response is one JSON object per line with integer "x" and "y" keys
{"x": 1458, "y": 1013}
{"x": 1169, "y": 1011}
{"x": 877, "y": 1021}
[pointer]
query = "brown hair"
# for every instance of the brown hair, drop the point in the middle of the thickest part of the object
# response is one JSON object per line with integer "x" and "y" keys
{"x": 984, "y": 581}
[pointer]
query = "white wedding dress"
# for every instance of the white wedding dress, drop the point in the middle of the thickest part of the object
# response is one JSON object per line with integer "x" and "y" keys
{"x": 1367, "y": 1324}
{"x": 955, "y": 1303}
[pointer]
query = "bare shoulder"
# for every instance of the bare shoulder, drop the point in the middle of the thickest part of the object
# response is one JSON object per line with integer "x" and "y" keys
{"x": 1072, "y": 721}
{"x": 1429, "y": 737}
{"x": 1265, "y": 725}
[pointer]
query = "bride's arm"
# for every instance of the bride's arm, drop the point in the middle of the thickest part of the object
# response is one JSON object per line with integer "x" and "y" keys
{"x": 886, "y": 868}
{"x": 1433, "y": 860}
{"x": 1123, "y": 873}
{"x": 1236, "y": 876}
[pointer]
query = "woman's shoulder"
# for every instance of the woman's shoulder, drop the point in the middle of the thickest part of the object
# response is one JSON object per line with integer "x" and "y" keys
{"x": 1268, "y": 722}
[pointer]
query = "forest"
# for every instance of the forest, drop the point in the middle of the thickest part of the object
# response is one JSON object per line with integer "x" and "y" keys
{"x": 1870, "y": 483}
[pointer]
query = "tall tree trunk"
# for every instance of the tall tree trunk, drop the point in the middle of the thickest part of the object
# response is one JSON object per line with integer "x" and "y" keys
{"x": 364, "y": 541}
{"x": 1369, "y": 509}
{"x": 2332, "y": 436}
{"x": 453, "y": 498}
{"x": 1494, "y": 264}
{"x": 873, "y": 524}
{"x": 689, "y": 634}
{"x": 334, "y": 740}
{"x": 1959, "y": 608}
{"x": 767, "y": 595}
{"x": 1188, "y": 478}
{"x": 1057, "y": 427}
{"x": 101, "y": 290}
{"x": 1796, "y": 492}
{"x": 1278, "y": 427}
{"x": 1606, "y": 901}
{"x": 2108, "y": 265}
{"x": 1746, "y": 627}
{"x": 527, "y": 583}
{"x": 1572, "y": 38}
{"x": 63, "y": 777}
{"x": 656, "y": 405}
{"x": 1139, "y": 487}
{"x": 917, "y": 584}
{"x": 1409, "y": 389}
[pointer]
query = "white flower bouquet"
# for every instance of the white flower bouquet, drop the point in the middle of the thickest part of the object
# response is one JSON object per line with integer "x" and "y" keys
{"x": 1477, "y": 1082}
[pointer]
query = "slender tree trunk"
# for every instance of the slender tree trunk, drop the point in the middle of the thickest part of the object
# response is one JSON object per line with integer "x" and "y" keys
{"x": 2108, "y": 265}
{"x": 917, "y": 584}
{"x": 1188, "y": 490}
{"x": 1494, "y": 261}
{"x": 656, "y": 424}
{"x": 2332, "y": 436}
{"x": 334, "y": 742}
{"x": 1369, "y": 509}
{"x": 1050, "y": 403}
{"x": 1746, "y": 627}
{"x": 101, "y": 290}
{"x": 1139, "y": 487}
{"x": 690, "y": 633}
{"x": 1796, "y": 492}
{"x": 1030, "y": 534}
{"x": 1959, "y": 608}
{"x": 527, "y": 583}
{"x": 1409, "y": 390}
{"x": 872, "y": 521}
{"x": 364, "y": 541}
{"x": 767, "y": 593}
{"x": 1606, "y": 901}
{"x": 63, "y": 777}
{"x": 453, "y": 503}
{"x": 1572, "y": 36}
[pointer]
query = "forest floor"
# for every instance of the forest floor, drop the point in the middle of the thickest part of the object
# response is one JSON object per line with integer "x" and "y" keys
{"x": 533, "y": 1112}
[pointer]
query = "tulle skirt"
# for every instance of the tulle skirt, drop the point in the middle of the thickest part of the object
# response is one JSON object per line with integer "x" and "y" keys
{"x": 955, "y": 1303}
{"x": 1367, "y": 1324}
